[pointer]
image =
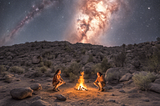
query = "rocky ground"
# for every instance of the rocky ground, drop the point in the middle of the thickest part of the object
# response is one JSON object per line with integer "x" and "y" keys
{"x": 26, "y": 72}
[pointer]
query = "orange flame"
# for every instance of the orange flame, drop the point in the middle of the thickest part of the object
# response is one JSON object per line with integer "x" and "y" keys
{"x": 80, "y": 85}
{"x": 93, "y": 19}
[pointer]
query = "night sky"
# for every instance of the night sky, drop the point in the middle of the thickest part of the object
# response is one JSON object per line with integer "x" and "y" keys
{"x": 138, "y": 22}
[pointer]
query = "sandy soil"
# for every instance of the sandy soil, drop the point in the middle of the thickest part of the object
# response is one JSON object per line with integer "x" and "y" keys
{"x": 92, "y": 97}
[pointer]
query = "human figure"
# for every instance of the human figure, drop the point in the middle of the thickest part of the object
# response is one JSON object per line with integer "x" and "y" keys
{"x": 100, "y": 81}
{"x": 57, "y": 80}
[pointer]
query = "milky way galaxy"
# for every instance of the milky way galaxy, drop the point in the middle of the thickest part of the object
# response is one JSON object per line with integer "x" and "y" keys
{"x": 36, "y": 9}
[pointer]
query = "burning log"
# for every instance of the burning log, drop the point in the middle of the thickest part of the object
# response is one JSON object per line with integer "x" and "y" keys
{"x": 81, "y": 88}
{"x": 80, "y": 85}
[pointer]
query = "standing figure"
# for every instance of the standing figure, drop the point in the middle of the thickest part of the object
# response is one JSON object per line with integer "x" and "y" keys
{"x": 57, "y": 80}
{"x": 100, "y": 81}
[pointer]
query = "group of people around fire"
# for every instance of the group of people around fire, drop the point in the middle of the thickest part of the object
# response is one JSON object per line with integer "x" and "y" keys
{"x": 58, "y": 81}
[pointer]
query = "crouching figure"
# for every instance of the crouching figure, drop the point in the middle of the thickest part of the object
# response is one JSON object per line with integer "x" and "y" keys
{"x": 100, "y": 81}
{"x": 57, "y": 80}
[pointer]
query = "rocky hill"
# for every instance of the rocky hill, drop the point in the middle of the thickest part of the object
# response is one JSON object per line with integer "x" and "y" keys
{"x": 64, "y": 53}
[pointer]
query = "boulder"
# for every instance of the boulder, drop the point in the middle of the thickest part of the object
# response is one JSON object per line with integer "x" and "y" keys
{"x": 40, "y": 103}
{"x": 112, "y": 75}
{"x": 157, "y": 81}
{"x": 155, "y": 87}
{"x": 126, "y": 77}
{"x": 21, "y": 93}
{"x": 36, "y": 59}
{"x": 36, "y": 87}
{"x": 61, "y": 97}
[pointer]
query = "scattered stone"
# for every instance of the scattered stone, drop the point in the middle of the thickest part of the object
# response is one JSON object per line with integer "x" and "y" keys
{"x": 134, "y": 96}
{"x": 122, "y": 91}
{"x": 8, "y": 78}
{"x": 155, "y": 87}
{"x": 146, "y": 100}
{"x": 108, "y": 87}
{"x": 61, "y": 97}
{"x": 21, "y": 93}
{"x": 32, "y": 80}
{"x": 40, "y": 103}
{"x": 18, "y": 79}
{"x": 119, "y": 86}
{"x": 111, "y": 100}
{"x": 133, "y": 91}
{"x": 36, "y": 87}
{"x": 49, "y": 80}
{"x": 1, "y": 57}
{"x": 112, "y": 94}
{"x": 123, "y": 105}
{"x": 126, "y": 77}
{"x": 37, "y": 98}
{"x": 3, "y": 91}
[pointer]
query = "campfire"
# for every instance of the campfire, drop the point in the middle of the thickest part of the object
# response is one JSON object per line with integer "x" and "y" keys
{"x": 80, "y": 85}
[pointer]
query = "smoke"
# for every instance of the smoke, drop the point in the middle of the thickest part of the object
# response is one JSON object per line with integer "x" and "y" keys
{"x": 92, "y": 20}
{"x": 36, "y": 9}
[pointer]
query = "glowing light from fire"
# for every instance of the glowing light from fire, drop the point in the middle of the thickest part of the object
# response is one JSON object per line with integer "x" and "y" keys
{"x": 93, "y": 19}
{"x": 80, "y": 85}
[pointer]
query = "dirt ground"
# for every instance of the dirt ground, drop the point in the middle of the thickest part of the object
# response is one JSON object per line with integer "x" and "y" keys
{"x": 92, "y": 97}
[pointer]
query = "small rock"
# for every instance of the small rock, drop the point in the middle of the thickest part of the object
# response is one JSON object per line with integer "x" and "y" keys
{"x": 18, "y": 79}
{"x": 108, "y": 87}
{"x": 119, "y": 86}
{"x": 133, "y": 91}
{"x": 36, "y": 87}
{"x": 146, "y": 100}
{"x": 3, "y": 91}
{"x": 1, "y": 57}
{"x": 122, "y": 91}
{"x": 40, "y": 103}
{"x": 134, "y": 96}
{"x": 49, "y": 80}
{"x": 123, "y": 105}
{"x": 8, "y": 78}
{"x": 37, "y": 98}
{"x": 112, "y": 94}
{"x": 111, "y": 100}
{"x": 32, "y": 80}
{"x": 61, "y": 97}
{"x": 21, "y": 93}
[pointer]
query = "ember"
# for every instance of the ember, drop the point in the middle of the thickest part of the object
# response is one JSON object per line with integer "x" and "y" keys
{"x": 80, "y": 85}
